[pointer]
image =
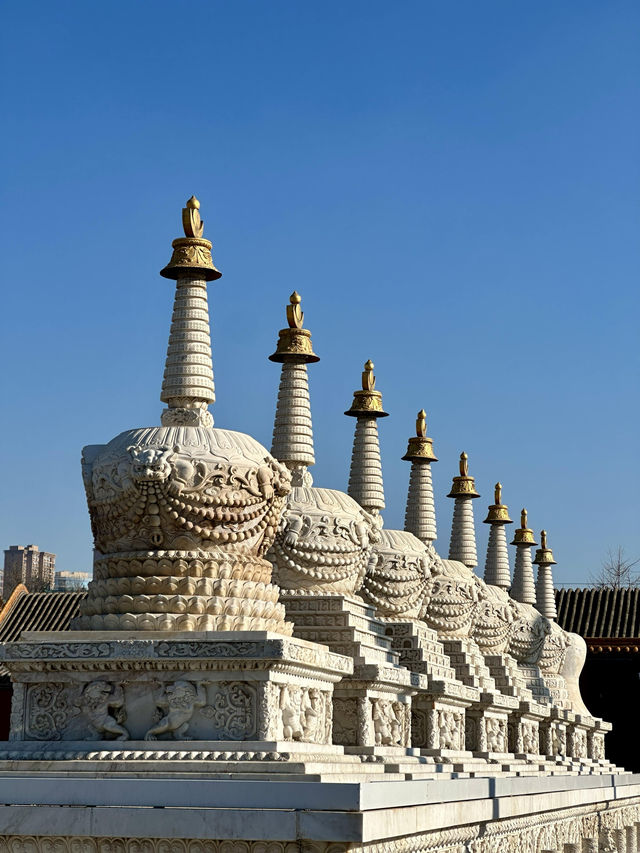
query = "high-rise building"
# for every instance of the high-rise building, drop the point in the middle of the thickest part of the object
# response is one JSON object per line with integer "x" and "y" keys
{"x": 71, "y": 581}
{"x": 29, "y": 565}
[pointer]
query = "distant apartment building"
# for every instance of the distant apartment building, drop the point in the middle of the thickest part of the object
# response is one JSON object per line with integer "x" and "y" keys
{"x": 71, "y": 581}
{"x": 29, "y": 565}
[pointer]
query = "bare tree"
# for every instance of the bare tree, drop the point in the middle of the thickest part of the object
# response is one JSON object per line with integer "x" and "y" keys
{"x": 616, "y": 571}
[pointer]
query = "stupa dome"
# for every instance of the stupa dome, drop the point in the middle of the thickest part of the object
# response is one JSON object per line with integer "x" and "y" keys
{"x": 397, "y": 576}
{"x": 323, "y": 544}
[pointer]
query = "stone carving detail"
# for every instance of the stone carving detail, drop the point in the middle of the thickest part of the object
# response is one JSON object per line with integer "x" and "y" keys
{"x": 213, "y": 500}
{"x": 323, "y": 543}
{"x": 496, "y": 732}
{"x": 396, "y": 576}
{"x": 176, "y": 707}
{"x": 97, "y": 701}
{"x": 529, "y": 739}
{"x": 450, "y": 729}
{"x": 528, "y": 634}
{"x": 345, "y": 722}
{"x": 389, "y": 722}
{"x": 492, "y": 619}
{"x": 553, "y": 650}
{"x": 306, "y": 714}
{"x": 451, "y": 599}
{"x": 49, "y": 709}
{"x": 233, "y": 711}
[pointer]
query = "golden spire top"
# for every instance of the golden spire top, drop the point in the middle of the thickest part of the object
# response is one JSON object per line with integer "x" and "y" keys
{"x": 498, "y": 512}
{"x": 294, "y": 343}
{"x": 191, "y": 222}
{"x": 420, "y": 447}
{"x": 368, "y": 379}
{"x": 544, "y": 554}
{"x": 463, "y": 485}
{"x": 295, "y": 315}
{"x": 192, "y": 253}
{"x": 523, "y": 535}
{"x": 368, "y": 401}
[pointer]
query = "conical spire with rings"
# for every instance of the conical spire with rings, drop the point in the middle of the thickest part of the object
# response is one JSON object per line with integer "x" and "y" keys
{"x": 523, "y": 588}
{"x": 420, "y": 515}
{"x": 496, "y": 569}
{"x": 293, "y": 429}
{"x": 545, "y": 594}
{"x": 187, "y": 387}
{"x": 365, "y": 476}
{"x": 463, "y": 533}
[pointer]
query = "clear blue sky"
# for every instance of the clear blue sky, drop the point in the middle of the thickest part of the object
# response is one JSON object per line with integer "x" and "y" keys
{"x": 452, "y": 187}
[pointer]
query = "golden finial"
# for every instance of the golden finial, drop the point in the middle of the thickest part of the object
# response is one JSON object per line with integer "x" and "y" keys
{"x": 463, "y": 485}
{"x": 295, "y": 315}
{"x": 464, "y": 464}
{"x": 368, "y": 379}
{"x": 498, "y": 512}
{"x": 192, "y": 253}
{"x": 420, "y": 447}
{"x": 367, "y": 401}
{"x": 294, "y": 343}
{"x": 191, "y": 222}
{"x": 523, "y": 535}
{"x": 544, "y": 555}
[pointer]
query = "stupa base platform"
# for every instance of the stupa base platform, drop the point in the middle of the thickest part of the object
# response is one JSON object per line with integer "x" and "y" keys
{"x": 146, "y": 686}
{"x": 129, "y": 815}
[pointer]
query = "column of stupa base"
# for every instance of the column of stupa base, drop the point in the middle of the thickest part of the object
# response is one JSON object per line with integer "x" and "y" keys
{"x": 182, "y": 591}
{"x": 524, "y": 732}
{"x": 101, "y": 687}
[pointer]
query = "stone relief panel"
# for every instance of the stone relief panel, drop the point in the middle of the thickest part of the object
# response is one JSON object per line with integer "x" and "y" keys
{"x": 175, "y": 708}
{"x": 451, "y": 729}
{"x": 323, "y": 543}
{"x": 391, "y": 723}
{"x": 496, "y": 734}
{"x": 306, "y": 714}
{"x": 345, "y": 721}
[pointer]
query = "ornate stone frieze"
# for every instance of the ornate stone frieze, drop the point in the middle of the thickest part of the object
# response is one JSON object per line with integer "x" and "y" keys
{"x": 493, "y": 618}
{"x": 451, "y": 599}
{"x": 396, "y": 578}
{"x": 323, "y": 543}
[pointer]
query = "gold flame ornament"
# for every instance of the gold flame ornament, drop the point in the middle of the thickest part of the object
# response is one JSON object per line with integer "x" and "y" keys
{"x": 544, "y": 554}
{"x": 191, "y": 222}
{"x": 523, "y": 535}
{"x": 191, "y": 256}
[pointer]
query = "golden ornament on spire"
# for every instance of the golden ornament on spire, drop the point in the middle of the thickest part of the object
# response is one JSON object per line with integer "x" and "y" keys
{"x": 420, "y": 447}
{"x": 294, "y": 343}
{"x": 463, "y": 485}
{"x": 192, "y": 253}
{"x": 191, "y": 222}
{"x": 523, "y": 535}
{"x": 544, "y": 555}
{"x": 368, "y": 401}
{"x": 498, "y": 512}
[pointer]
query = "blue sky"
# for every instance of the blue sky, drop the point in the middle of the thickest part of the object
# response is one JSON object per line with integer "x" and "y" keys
{"x": 452, "y": 187}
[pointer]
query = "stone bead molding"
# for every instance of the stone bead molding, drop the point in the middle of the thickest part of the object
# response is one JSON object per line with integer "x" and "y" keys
{"x": 323, "y": 544}
{"x": 397, "y": 575}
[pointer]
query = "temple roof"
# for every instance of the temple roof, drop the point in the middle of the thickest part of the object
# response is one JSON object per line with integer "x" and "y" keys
{"x": 37, "y": 611}
{"x": 599, "y": 612}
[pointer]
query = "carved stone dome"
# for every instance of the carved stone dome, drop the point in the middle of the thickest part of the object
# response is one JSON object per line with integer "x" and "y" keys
{"x": 181, "y": 518}
{"x": 323, "y": 544}
{"x": 451, "y": 599}
{"x": 396, "y": 578}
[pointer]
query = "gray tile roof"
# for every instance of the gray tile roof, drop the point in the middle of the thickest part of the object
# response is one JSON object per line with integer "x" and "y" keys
{"x": 599, "y": 612}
